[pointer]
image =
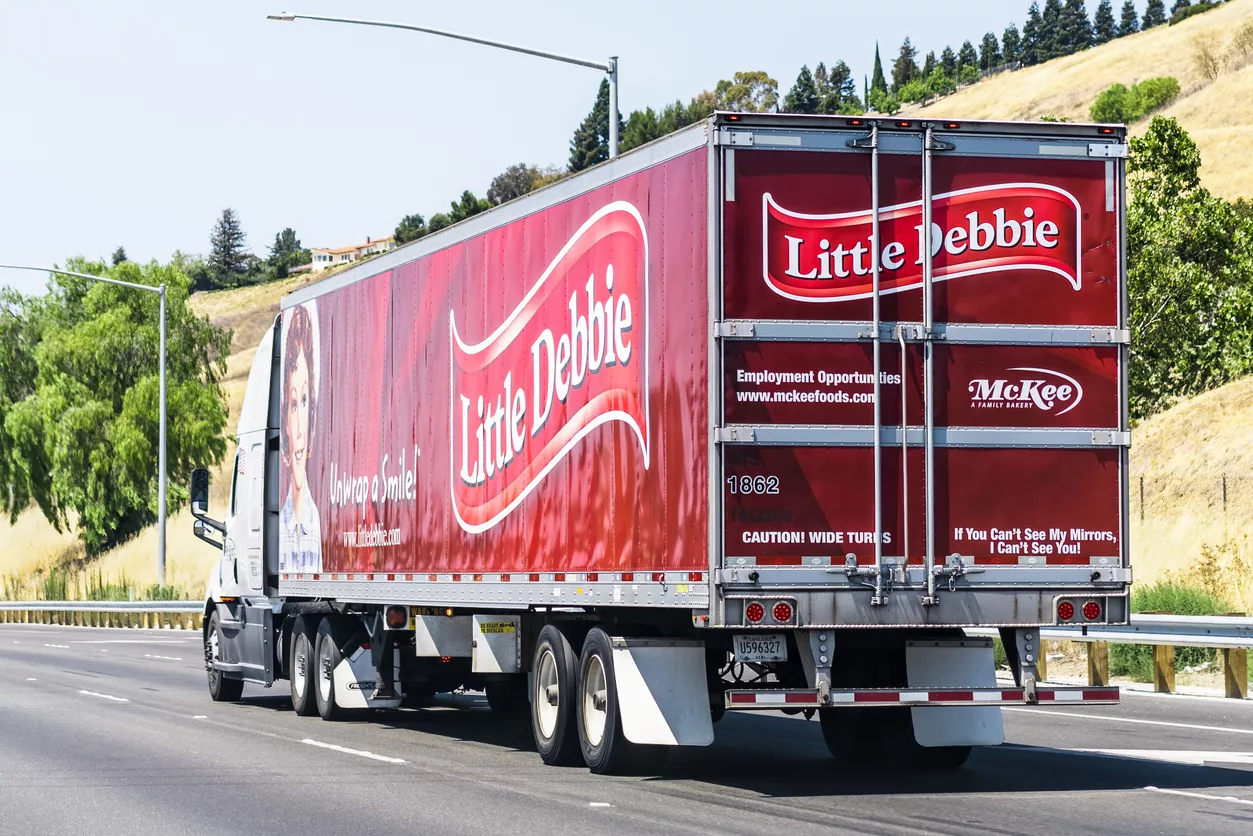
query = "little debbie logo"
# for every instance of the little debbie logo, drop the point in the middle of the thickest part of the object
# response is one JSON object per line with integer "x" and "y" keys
{"x": 1027, "y": 388}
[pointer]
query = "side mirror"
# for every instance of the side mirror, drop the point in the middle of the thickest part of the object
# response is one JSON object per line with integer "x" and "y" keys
{"x": 200, "y": 491}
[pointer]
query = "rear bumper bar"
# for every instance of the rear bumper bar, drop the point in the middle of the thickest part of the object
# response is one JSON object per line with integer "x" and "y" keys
{"x": 775, "y": 699}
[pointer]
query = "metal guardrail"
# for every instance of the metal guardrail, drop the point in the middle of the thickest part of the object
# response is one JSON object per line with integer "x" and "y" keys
{"x": 142, "y": 614}
{"x": 1232, "y": 636}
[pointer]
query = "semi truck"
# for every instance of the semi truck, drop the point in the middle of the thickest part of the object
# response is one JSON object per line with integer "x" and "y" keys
{"x": 767, "y": 415}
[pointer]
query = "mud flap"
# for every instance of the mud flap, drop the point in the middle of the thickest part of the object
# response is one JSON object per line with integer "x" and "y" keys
{"x": 355, "y": 682}
{"x": 954, "y": 664}
{"x": 663, "y": 698}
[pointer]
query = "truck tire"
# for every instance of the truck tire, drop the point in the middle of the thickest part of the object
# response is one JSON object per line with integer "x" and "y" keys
{"x": 553, "y": 712}
{"x": 221, "y": 689}
{"x": 327, "y": 657}
{"x": 300, "y": 673}
{"x": 606, "y": 751}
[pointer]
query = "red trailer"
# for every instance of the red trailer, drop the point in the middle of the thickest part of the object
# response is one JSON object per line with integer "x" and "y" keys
{"x": 759, "y": 415}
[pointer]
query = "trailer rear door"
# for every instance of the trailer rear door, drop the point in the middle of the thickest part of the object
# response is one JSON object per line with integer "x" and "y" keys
{"x": 990, "y": 331}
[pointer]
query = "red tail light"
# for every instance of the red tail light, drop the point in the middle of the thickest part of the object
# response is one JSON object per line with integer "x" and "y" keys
{"x": 1092, "y": 611}
{"x": 782, "y": 612}
{"x": 754, "y": 612}
{"x": 1065, "y": 611}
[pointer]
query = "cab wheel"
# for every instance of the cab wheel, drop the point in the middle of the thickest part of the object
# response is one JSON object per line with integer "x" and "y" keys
{"x": 221, "y": 689}
{"x": 327, "y": 657}
{"x": 301, "y": 675}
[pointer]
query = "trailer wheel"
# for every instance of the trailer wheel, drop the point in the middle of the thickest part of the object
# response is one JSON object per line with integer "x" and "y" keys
{"x": 221, "y": 689}
{"x": 605, "y": 748}
{"x": 300, "y": 670}
{"x": 326, "y": 658}
{"x": 553, "y": 712}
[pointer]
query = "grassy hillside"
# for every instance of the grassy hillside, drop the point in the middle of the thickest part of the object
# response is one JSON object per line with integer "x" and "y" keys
{"x": 1218, "y": 114}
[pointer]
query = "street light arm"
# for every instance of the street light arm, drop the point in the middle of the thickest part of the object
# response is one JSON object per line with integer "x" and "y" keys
{"x": 147, "y": 287}
{"x": 603, "y": 66}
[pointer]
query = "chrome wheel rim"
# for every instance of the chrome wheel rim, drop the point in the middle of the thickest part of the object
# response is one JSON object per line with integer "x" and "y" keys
{"x": 324, "y": 675}
{"x": 300, "y": 666}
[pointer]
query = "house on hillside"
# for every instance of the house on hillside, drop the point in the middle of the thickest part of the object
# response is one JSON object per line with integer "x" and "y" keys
{"x": 324, "y": 258}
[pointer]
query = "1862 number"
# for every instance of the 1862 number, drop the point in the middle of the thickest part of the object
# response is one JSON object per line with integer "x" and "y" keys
{"x": 753, "y": 484}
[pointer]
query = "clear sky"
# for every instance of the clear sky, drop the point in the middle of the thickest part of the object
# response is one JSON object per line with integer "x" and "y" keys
{"x": 135, "y": 123}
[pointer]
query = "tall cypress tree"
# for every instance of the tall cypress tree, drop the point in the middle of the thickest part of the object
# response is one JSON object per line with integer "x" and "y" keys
{"x": 1032, "y": 49}
{"x": 1130, "y": 22}
{"x": 1052, "y": 33}
{"x": 803, "y": 97}
{"x": 227, "y": 257}
{"x": 1011, "y": 44}
{"x": 1076, "y": 28}
{"x": 878, "y": 81}
{"x": 928, "y": 65}
{"x": 1154, "y": 14}
{"x": 590, "y": 144}
{"x": 1103, "y": 28}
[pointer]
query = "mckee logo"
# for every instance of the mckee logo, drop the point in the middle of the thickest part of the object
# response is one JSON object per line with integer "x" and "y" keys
{"x": 572, "y": 356}
{"x": 989, "y": 229}
{"x": 1042, "y": 389}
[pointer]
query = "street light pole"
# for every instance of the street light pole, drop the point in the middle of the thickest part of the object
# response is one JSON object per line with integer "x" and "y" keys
{"x": 610, "y": 67}
{"x": 161, "y": 477}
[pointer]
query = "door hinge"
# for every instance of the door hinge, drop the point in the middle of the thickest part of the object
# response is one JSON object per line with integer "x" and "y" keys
{"x": 1111, "y": 150}
{"x": 725, "y": 137}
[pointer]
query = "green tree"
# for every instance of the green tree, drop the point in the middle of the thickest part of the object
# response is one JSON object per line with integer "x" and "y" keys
{"x": 877, "y": 80}
{"x": 1104, "y": 29}
{"x": 1053, "y": 42}
{"x": 1154, "y": 14}
{"x": 881, "y": 101}
{"x": 119, "y": 255}
{"x": 939, "y": 84}
{"x": 989, "y": 52}
{"x": 438, "y": 221}
{"x": 410, "y": 228}
{"x": 286, "y": 252}
{"x": 1033, "y": 49}
{"x": 803, "y": 97}
{"x": 748, "y": 92}
{"x": 519, "y": 178}
{"x": 838, "y": 91}
{"x": 81, "y": 442}
{"x": 1115, "y": 104}
{"x": 1179, "y": 6}
{"x": 467, "y": 206}
{"x": 1011, "y": 44}
{"x": 1075, "y": 26}
{"x": 227, "y": 257}
{"x": 1128, "y": 23}
{"x": 1190, "y": 256}
{"x": 948, "y": 62}
{"x": 929, "y": 64}
{"x": 590, "y": 144}
{"x": 905, "y": 67}
{"x": 967, "y": 57}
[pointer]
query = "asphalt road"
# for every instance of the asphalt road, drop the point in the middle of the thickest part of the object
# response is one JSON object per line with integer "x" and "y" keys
{"x": 112, "y": 731}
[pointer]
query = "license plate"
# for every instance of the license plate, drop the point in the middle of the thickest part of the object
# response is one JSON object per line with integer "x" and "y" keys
{"x": 760, "y": 647}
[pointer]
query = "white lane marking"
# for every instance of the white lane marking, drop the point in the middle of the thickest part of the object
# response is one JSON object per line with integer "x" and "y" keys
{"x": 348, "y": 751}
{"x": 1192, "y": 726}
{"x": 164, "y": 658}
{"x": 30, "y": 679}
{"x": 133, "y": 642}
{"x": 104, "y": 696}
{"x": 599, "y": 804}
{"x": 1228, "y": 798}
{"x": 200, "y": 717}
{"x": 58, "y": 646}
{"x": 1175, "y": 756}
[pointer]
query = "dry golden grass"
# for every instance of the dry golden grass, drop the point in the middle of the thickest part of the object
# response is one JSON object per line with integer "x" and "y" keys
{"x": 1185, "y": 528}
{"x": 1218, "y": 115}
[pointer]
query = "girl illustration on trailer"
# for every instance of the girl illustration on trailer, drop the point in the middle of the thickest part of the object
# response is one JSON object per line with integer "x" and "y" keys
{"x": 300, "y": 531}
